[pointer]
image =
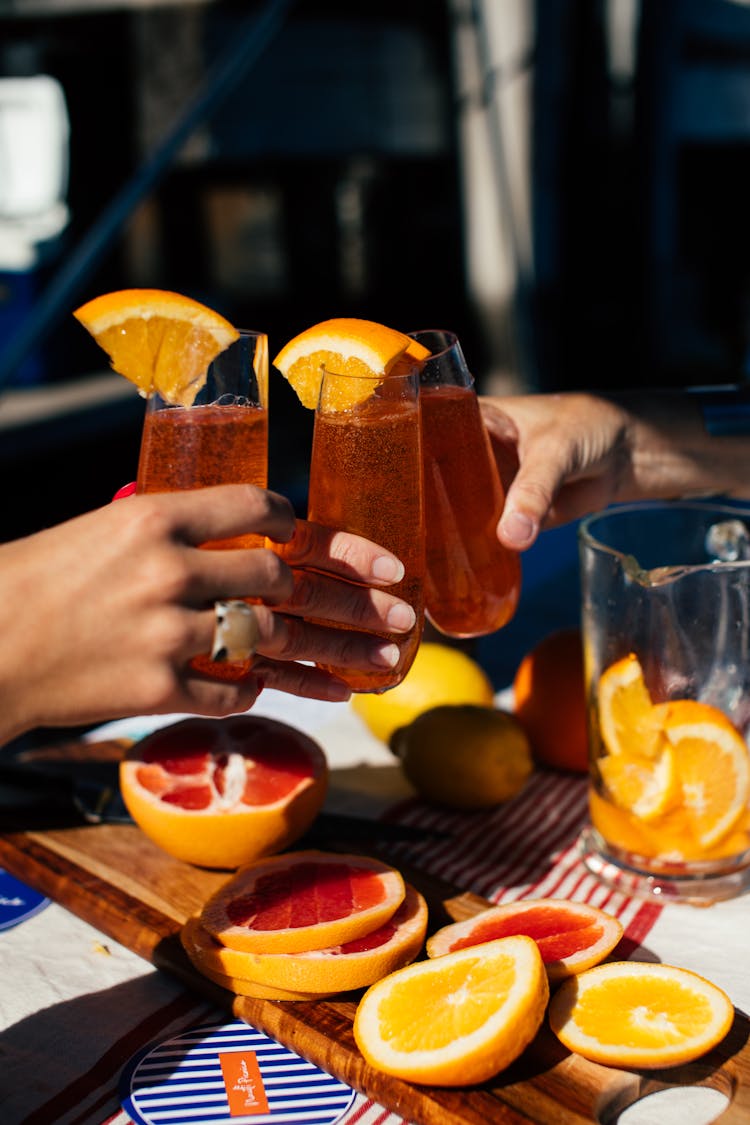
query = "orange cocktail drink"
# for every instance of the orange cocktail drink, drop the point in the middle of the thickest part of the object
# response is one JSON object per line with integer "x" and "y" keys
{"x": 366, "y": 477}
{"x": 222, "y": 438}
{"x": 472, "y": 582}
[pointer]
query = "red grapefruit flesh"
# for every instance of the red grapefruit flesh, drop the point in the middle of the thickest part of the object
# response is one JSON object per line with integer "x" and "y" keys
{"x": 223, "y": 792}
{"x": 304, "y": 900}
{"x": 340, "y": 968}
{"x": 571, "y": 936}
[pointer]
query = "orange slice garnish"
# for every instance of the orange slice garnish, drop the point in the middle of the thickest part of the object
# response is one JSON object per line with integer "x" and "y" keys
{"x": 161, "y": 341}
{"x": 634, "y": 1014}
{"x": 458, "y": 1019}
{"x": 363, "y": 350}
{"x": 647, "y": 787}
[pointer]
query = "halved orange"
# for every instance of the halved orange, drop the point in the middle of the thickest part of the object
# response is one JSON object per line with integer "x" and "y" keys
{"x": 303, "y": 900}
{"x": 341, "y": 968}
{"x": 626, "y": 711}
{"x": 159, "y": 340}
{"x": 458, "y": 1019}
{"x": 572, "y": 936}
{"x": 361, "y": 349}
{"x": 637, "y": 1014}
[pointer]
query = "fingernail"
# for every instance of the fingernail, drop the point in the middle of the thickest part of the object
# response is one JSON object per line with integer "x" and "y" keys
{"x": 126, "y": 490}
{"x": 518, "y": 529}
{"x": 401, "y": 617}
{"x": 386, "y": 656}
{"x": 388, "y": 569}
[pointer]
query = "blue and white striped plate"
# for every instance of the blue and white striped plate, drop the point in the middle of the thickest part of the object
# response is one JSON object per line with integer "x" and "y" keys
{"x": 17, "y": 901}
{"x": 229, "y": 1073}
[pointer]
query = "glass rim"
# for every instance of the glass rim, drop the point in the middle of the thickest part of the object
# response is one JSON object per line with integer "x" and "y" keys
{"x": 449, "y": 336}
{"x": 587, "y": 537}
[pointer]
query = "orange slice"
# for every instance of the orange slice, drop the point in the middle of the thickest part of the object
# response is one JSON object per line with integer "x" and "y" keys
{"x": 458, "y": 1019}
{"x": 712, "y": 766}
{"x": 626, "y": 713}
{"x": 634, "y": 1014}
{"x": 572, "y": 936}
{"x": 361, "y": 349}
{"x": 301, "y": 901}
{"x": 646, "y": 787}
{"x": 353, "y": 964}
{"x": 224, "y": 792}
{"x": 161, "y": 341}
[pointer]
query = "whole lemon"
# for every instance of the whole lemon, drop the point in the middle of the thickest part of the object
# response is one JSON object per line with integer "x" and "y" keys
{"x": 464, "y": 756}
{"x": 440, "y": 674}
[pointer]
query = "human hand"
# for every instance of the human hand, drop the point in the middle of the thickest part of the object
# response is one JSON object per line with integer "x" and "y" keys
{"x": 101, "y": 615}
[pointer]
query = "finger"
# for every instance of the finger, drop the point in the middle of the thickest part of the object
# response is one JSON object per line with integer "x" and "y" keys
{"x": 223, "y": 512}
{"x": 254, "y": 573}
{"x": 304, "y": 680}
{"x": 527, "y": 503}
{"x": 318, "y": 596}
{"x": 341, "y": 553}
{"x": 291, "y": 638}
{"x": 204, "y": 696}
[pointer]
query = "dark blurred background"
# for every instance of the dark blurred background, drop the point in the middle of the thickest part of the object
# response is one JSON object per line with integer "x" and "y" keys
{"x": 564, "y": 183}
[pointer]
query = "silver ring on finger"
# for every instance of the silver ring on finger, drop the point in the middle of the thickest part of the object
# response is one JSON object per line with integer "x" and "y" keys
{"x": 236, "y": 632}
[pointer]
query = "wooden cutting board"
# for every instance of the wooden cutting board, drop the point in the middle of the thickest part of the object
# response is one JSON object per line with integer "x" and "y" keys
{"x": 115, "y": 879}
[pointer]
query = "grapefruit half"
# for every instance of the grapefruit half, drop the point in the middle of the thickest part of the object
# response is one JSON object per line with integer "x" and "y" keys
{"x": 572, "y": 936}
{"x": 303, "y": 900}
{"x": 223, "y": 792}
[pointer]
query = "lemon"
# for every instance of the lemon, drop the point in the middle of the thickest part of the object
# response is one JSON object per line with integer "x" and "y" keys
{"x": 464, "y": 756}
{"x": 440, "y": 674}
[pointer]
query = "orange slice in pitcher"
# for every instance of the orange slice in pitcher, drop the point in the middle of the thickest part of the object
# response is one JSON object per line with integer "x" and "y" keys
{"x": 637, "y": 1014}
{"x": 712, "y": 765}
{"x": 626, "y": 713}
{"x": 360, "y": 349}
{"x": 646, "y": 787}
{"x": 161, "y": 341}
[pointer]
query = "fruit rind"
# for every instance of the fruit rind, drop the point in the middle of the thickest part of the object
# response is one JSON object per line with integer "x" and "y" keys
{"x": 486, "y": 1051}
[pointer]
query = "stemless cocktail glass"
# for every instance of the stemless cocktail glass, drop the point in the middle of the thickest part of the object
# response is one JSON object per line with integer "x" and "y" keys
{"x": 666, "y": 629}
{"x": 472, "y": 582}
{"x": 366, "y": 477}
{"x": 221, "y": 439}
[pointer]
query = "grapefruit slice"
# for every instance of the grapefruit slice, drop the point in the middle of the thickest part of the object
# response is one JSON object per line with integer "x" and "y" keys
{"x": 341, "y": 968}
{"x": 571, "y": 936}
{"x": 455, "y": 1020}
{"x": 223, "y": 792}
{"x": 303, "y": 900}
{"x": 201, "y": 948}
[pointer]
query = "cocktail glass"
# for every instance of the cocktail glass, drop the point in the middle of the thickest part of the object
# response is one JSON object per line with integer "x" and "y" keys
{"x": 472, "y": 582}
{"x": 222, "y": 438}
{"x": 366, "y": 477}
{"x": 666, "y": 587}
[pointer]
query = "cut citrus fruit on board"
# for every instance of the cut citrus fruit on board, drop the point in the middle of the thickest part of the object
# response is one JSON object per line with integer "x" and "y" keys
{"x": 571, "y": 936}
{"x": 159, "y": 340}
{"x": 626, "y": 712}
{"x": 303, "y": 900}
{"x": 223, "y": 792}
{"x": 360, "y": 349}
{"x": 353, "y": 964}
{"x": 458, "y": 1019}
{"x": 647, "y": 787}
{"x": 634, "y": 1014}
{"x": 201, "y": 948}
{"x": 712, "y": 765}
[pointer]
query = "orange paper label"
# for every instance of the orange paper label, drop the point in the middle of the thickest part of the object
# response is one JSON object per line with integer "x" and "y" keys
{"x": 243, "y": 1083}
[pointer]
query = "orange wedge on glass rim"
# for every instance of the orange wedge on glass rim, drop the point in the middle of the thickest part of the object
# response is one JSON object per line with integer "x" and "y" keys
{"x": 160, "y": 341}
{"x": 455, "y": 1020}
{"x": 637, "y": 1014}
{"x": 361, "y": 349}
